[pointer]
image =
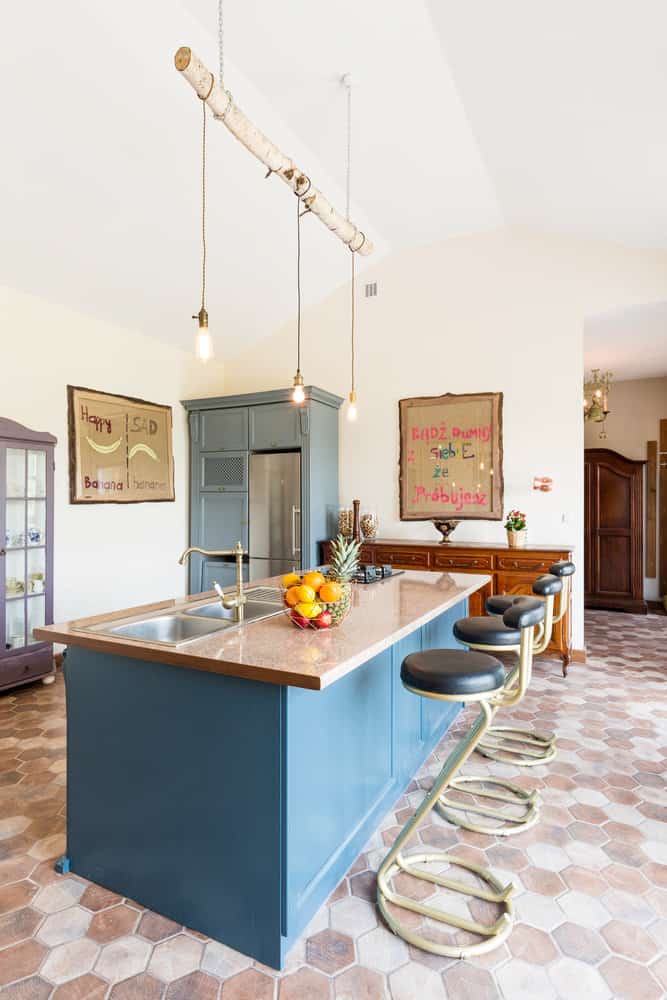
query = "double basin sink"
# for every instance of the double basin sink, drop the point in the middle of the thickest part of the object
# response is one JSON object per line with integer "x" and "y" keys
{"x": 184, "y": 625}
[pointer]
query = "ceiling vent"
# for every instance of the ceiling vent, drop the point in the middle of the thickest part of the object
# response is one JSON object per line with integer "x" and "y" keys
{"x": 371, "y": 289}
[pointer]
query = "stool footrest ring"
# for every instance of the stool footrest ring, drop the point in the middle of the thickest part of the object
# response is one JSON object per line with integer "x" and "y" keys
{"x": 492, "y": 934}
{"x": 522, "y": 747}
{"x": 458, "y": 812}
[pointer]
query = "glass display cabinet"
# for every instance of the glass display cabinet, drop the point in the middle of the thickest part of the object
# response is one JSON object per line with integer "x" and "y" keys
{"x": 26, "y": 553}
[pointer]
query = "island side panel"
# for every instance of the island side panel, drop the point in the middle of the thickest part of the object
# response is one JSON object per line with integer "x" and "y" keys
{"x": 174, "y": 794}
{"x": 351, "y": 750}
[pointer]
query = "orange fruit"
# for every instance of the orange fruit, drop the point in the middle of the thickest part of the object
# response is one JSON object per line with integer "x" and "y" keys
{"x": 331, "y": 592}
{"x": 306, "y": 595}
{"x": 292, "y": 596}
{"x": 291, "y": 580}
{"x": 314, "y": 580}
{"x": 308, "y": 610}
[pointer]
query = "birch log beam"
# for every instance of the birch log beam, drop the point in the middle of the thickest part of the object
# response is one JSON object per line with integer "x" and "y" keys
{"x": 222, "y": 105}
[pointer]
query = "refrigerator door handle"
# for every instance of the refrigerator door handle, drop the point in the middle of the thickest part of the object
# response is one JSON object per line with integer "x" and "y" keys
{"x": 296, "y": 549}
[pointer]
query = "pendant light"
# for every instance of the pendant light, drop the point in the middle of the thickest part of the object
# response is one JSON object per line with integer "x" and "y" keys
{"x": 346, "y": 80}
{"x": 203, "y": 342}
{"x": 298, "y": 394}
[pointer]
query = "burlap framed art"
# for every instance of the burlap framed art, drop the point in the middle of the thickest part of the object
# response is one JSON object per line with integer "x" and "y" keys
{"x": 120, "y": 448}
{"x": 451, "y": 459}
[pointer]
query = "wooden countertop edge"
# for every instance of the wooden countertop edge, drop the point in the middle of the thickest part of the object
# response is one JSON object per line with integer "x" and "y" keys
{"x": 188, "y": 660}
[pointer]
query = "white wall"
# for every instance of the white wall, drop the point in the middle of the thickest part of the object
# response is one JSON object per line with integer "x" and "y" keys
{"x": 501, "y": 311}
{"x": 107, "y": 556}
{"x": 637, "y": 407}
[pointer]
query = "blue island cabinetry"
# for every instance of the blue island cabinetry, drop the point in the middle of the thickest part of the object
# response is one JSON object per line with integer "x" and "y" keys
{"x": 236, "y": 806}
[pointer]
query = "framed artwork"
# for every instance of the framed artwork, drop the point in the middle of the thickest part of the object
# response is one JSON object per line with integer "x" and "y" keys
{"x": 120, "y": 448}
{"x": 451, "y": 459}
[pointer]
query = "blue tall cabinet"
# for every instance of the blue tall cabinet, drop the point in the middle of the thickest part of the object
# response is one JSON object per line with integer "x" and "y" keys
{"x": 224, "y": 432}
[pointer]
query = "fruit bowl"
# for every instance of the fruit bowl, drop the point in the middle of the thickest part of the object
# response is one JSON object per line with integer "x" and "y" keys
{"x": 316, "y": 601}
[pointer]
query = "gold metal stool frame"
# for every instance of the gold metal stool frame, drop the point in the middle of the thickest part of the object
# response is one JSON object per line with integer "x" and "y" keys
{"x": 513, "y": 744}
{"x": 459, "y": 811}
{"x": 394, "y": 863}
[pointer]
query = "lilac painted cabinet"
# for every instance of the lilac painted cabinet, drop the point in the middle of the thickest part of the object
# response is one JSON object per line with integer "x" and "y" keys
{"x": 26, "y": 553}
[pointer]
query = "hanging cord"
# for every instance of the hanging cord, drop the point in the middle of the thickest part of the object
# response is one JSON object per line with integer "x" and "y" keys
{"x": 203, "y": 206}
{"x": 348, "y": 175}
{"x": 353, "y": 387}
{"x": 221, "y": 45}
{"x": 349, "y": 146}
{"x": 298, "y": 285}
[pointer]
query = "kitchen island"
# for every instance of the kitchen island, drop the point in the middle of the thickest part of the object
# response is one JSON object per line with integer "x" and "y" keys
{"x": 229, "y": 782}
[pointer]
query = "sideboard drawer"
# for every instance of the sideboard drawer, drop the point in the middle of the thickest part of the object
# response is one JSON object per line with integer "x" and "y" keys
{"x": 443, "y": 560}
{"x": 519, "y": 563}
{"x": 410, "y": 558}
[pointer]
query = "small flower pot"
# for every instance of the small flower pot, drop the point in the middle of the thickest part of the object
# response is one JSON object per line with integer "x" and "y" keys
{"x": 517, "y": 539}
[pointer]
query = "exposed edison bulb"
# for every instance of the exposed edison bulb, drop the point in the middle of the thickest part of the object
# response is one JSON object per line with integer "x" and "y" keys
{"x": 203, "y": 341}
{"x": 352, "y": 407}
{"x": 298, "y": 394}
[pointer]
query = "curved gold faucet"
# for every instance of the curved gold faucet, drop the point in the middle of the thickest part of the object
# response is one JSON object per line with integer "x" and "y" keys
{"x": 239, "y": 600}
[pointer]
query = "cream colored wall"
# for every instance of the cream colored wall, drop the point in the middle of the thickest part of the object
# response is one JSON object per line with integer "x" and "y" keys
{"x": 503, "y": 311}
{"x": 106, "y": 555}
{"x": 637, "y": 406}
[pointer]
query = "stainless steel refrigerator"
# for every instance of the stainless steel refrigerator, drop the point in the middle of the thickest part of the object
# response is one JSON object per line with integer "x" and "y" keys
{"x": 274, "y": 528}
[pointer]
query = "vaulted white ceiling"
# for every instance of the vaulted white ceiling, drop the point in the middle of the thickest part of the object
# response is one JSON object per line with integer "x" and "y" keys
{"x": 631, "y": 343}
{"x": 467, "y": 116}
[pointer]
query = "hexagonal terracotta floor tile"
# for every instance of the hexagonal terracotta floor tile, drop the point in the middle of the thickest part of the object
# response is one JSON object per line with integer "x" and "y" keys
{"x": 141, "y": 987}
{"x": 330, "y": 951}
{"x": 123, "y": 958}
{"x": 176, "y": 957}
{"x": 248, "y": 985}
{"x": 531, "y": 944}
{"x": 34, "y": 988}
{"x": 629, "y": 980}
{"x": 88, "y": 987}
{"x": 196, "y": 986}
{"x": 580, "y": 942}
{"x": 358, "y": 983}
{"x": 19, "y": 925}
{"x": 157, "y": 928}
{"x": 115, "y": 922}
{"x": 630, "y": 941}
{"x": 306, "y": 984}
{"x": 21, "y": 960}
{"x": 67, "y": 961}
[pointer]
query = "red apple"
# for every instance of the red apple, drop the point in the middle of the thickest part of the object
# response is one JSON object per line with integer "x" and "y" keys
{"x": 323, "y": 620}
{"x": 299, "y": 620}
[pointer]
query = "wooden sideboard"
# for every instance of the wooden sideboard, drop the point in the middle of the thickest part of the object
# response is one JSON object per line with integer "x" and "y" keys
{"x": 512, "y": 571}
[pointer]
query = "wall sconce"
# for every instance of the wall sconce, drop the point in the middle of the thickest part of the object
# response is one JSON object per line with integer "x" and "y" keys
{"x": 543, "y": 484}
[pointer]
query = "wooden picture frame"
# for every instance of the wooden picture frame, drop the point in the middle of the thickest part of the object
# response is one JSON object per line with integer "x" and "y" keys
{"x": 120, "y": 448}
{"x": 451, "y": 457}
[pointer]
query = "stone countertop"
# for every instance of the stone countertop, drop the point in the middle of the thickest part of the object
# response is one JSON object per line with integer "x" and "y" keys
{"x": 276, "y": 651}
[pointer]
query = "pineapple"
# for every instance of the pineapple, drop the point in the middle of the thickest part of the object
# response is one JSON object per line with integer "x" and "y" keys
{"x": 343, "y": 564}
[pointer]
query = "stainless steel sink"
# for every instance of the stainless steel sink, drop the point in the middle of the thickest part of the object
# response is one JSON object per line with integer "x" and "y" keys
{"x": 185, "y": 625}
{"x": 254, "y": 610}
{"x": 171, "y": 629}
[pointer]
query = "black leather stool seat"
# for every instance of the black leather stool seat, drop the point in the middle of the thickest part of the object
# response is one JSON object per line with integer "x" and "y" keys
{"x": 487, "y": 631}
{"x": 452, "y": 671}
{"x": 547, "y": 585}
{"x": 562, "y": 568}
{"x": 499, "y": 603}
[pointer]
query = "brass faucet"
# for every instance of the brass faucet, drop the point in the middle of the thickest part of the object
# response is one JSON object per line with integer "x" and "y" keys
{"x": 237, "y": 602}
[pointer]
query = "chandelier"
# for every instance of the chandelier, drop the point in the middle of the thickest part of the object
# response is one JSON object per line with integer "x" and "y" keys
{"x": 596, "y": 398}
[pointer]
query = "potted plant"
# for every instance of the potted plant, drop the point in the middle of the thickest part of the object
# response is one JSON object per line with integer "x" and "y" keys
{"x": 517, "y": 532}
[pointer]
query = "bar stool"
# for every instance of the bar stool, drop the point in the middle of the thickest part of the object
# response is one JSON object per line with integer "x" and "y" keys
{"x": 454, "y": 675}
{"x": 519, "y": 807}
{"x": 510, "y": 744}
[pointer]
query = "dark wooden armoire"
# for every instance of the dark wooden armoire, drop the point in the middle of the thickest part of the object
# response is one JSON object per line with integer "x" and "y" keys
{"x": 614, "y": 542}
